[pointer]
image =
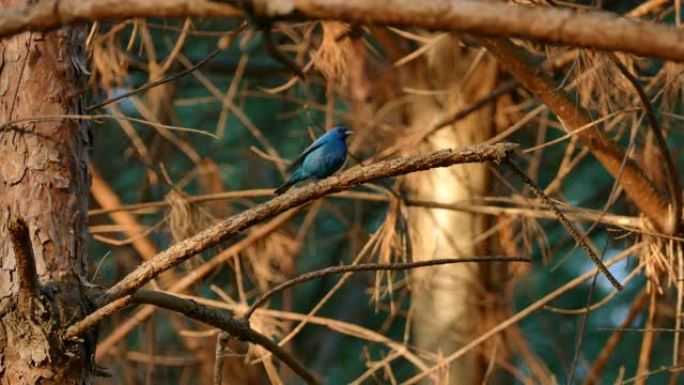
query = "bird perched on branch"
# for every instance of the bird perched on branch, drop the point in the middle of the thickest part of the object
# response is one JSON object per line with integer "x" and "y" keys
{"x": 321, "y": 159}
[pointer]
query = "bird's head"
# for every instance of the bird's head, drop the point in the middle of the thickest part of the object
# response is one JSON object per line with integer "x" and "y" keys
{"x": 342, "y": 132}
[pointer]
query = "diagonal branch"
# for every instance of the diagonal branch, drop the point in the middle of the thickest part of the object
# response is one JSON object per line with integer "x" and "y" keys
{"x": 239, "y": 329}
{"x": 210, "y": 237}
{"x": 636, "y": 184}
{"x": 310, "y": 276}
{"x": 566, "y": 223}
{"x": 673, "y": 185}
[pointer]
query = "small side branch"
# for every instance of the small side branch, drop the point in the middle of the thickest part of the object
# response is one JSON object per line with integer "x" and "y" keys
{"x": 565, "y": 222}
{"x": 239, "y": 329}
{"x": 229, "y": 41}
{"x": 221, "y": 346}
{"x": 369, "y": 267}
{"x": 210, "y": 237}
{"x": 25, "y": 263}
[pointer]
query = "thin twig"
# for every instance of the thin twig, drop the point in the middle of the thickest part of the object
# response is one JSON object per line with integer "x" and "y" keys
{"x": 210, "y": 237}
{"x": 237, "y": 328}
{"x": 221, "y": 341}
{"x": 583, "y": 322}
{"x": 278, "y": 56}
{"x": 172, "y": 77}
{"x": 539, "y": 304}
{"x": 647, "y": 340}
{"x": 673, "y": 186}
{"x": 369, "y": 267}
{"x": 155, "y": 83}
{"x": 26, "y": 264}
{"x": 565, "y": 222}
{"x": 608, "y": 349}
{"x": 504, "y": 88}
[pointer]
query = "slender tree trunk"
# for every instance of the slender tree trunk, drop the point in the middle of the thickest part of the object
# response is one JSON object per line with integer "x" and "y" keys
{"x": 447, "y": 300}
{"x": 44, "y": 183}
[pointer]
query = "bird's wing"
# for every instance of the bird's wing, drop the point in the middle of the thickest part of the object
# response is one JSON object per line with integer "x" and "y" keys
{"x": 317, "y": 143}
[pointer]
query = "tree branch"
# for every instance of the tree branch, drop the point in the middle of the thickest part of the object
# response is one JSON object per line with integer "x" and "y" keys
{"x": 237, "y": 328}
{"x": 25, "y": 263}
{"x": 636, "y": 184}
{"x": 673, "y": 185}
{"x": 183, "y": 283}
{"x": 369, "y": 267}
{"x": 210, "y": 237}
{"x": 566, "y": 223}
{"x": 551, "y": 25}
{"x": 51, "y": 14}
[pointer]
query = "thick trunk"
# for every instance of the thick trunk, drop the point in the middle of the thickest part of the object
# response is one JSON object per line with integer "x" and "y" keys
{"x": 44, "y": 182}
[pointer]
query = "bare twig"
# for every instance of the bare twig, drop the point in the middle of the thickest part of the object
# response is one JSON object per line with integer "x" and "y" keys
{"x": 155, "y": 83}
{"x": 583, "y": 323}
{"x": 566, "y": 223}
{"x": 237, "y": 328}
{"x": 673, "y": 185}
{"x": 175, "y": 76}
{"x": 648, "y": 339}
{"x": 26, "y": 264}
{"x": 574, "y": 213}
{"x": 221, "y": 341}
{"x": 369, "y": 267}
{"x": 539, "y": 304}
{"x": 210, "y": 237}
{"x": 491, "y": 97}
{"x": 608, "y": 349}
{"x": 278, "y": 56}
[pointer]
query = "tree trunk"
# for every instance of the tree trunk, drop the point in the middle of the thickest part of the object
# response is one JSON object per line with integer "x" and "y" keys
{"x": 44, "y": 183}
{"x": 447, "y": 300}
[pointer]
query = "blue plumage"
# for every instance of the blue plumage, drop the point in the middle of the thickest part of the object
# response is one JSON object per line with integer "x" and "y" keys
{"x": 321, "y": 159}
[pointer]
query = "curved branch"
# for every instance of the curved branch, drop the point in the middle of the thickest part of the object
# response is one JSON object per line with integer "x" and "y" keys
{"x": 306, "y": 277}
{"x": 237, "y": 328}
{"x": 210, "y": 237}
{"x": 566, "y": 223}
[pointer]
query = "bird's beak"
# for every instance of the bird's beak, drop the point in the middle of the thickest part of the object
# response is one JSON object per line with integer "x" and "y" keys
{"x": 349, "y": 132}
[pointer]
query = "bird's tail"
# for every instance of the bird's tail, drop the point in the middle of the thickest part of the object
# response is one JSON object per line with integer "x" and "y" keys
{"x": 296, "y": 177}
{"x": 284, "y": 187}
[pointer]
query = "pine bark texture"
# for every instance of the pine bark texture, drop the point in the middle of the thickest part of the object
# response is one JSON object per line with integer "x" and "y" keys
{"x": 44, "y": 182}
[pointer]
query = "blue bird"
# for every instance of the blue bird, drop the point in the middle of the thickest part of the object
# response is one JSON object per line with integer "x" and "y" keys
{"x": 321, "y": 159}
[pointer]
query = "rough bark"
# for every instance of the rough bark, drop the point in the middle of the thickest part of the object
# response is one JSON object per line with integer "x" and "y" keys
{"x": 44, "y": 183}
